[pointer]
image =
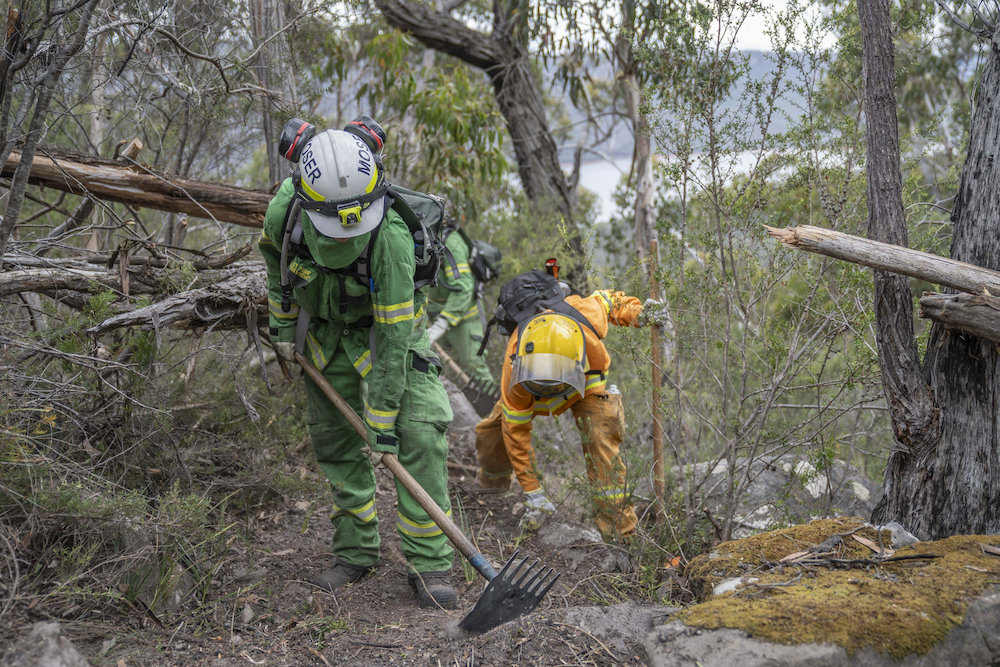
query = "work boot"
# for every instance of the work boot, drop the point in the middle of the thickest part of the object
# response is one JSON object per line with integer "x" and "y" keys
{"x": 433, "y": 589}
{"x": 340, "y": 575}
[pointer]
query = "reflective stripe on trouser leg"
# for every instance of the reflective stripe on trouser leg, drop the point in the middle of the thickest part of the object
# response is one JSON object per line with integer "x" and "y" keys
{"x": 424, "y": 416}
{"x": 599, "y": 418}
{"x": 338, "y": 451}
{"x": 494, "y": 465}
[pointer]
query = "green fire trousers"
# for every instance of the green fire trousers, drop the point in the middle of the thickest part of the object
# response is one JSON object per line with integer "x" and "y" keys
{"x": 464, "y": 340}
{"x": 423, "y": 451}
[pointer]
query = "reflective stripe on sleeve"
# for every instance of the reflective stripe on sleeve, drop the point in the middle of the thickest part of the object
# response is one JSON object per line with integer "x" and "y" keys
{"x": 596, "y": 383}
{"x": 274, "y": 307}
{"x": 414, "y": 529}
{"x": 399, "y": 312}
{"x": 365, "y": 513}
{"x": 517, "y": 416}
{"x": 419, "y": 317}
{"x": 381, "y": 420}
{"x": 316, "y": 352}
{"x": 472, "y": 312}
{"x": 496, "y": 475}
{"x": 364, "y": 363}
{"x": 605, "y": 298}
{"x": 463, "y": 267}
{"x": 265, "y": 240}
{"x": 550, "y": 405}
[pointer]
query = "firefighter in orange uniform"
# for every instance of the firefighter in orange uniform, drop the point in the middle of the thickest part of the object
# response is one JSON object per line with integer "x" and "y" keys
{"x": 557, "y": 362}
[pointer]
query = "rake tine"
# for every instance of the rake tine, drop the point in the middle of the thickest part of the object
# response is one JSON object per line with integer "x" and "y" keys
{"x": 507, "y": 565}
{"x": 517, "y": 584}
{"x": 535, "y": 579}
{"x": 539, "y": 581}
{"x": 551, "y": 583}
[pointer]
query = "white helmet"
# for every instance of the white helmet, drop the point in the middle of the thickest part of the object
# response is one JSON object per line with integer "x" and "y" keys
{"x": 341, "y": 185}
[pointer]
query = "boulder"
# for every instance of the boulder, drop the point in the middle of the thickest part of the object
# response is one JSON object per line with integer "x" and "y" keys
{"x": 784, "y": 490}
{"x": 44, "y": 646}
{"x": 620, "y": 626}
{"x": 822, "y": 594}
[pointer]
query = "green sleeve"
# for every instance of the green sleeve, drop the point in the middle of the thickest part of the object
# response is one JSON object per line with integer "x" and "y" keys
{"x": 459, "y": 302}
{"x": 392, "y": 265}
{"x": 269, "y": 243}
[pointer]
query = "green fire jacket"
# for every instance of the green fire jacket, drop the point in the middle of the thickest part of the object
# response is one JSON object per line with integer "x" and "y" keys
{"x": 459, "y": 303}
{"x": 392, "y": 317}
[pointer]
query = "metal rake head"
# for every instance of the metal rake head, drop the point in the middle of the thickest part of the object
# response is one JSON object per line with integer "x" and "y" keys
{"x": 516, "y": 590}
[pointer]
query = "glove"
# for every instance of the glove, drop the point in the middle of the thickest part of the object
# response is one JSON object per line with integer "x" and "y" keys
{"x": 373, "y": 456}
{"x": 284, "y": 350}
{"x": 437, "y": 329}
{"x": 539, "y": 508}
{"x": 654, "y": 312}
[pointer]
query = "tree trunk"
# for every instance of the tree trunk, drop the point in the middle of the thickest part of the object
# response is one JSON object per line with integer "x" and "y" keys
{"x": 911, "y": 406}
{"x": 504, "y": 60}
{"x": 964, "y": 371}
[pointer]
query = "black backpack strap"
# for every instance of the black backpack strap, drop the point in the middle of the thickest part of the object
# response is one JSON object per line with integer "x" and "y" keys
{"x": 486, "y": 336}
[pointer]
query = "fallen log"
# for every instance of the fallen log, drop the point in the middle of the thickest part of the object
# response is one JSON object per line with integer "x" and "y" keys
{"x": 237, "y": 301}
{"x": 127, "y": 182}
{"x": 887, "y": 257}
{"x": 976, "y": 314}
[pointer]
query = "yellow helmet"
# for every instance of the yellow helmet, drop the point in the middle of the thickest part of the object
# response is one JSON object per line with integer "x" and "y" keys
{"x": 551, "y": 356}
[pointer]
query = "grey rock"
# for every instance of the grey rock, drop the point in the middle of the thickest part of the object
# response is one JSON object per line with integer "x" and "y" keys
{"x": 975, "y": 642}
{"x": 43, "y": 647}
{"x": 560, "y": 535}
{"x": 786, "y": 490}
{"x": 620, "y": 626}
{"x": 900, "y": 536}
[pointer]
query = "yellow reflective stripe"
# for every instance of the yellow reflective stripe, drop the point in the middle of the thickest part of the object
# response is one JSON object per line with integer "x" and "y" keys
{"x": 594, "y": 381}
{"x": 382, "y": 420}
{"x": 495, "y": 475}
{"x": 609, "y": 493}
{"x": 316, "y": 352}
{"x": 399, "y": 312}
{"x": 365, "y": 513}
{"x": 517, "y": 416}
{"x": 265, "y": 240}
{"x": 472, "y": 312}
{"x": 364, "y": 363}
{"x": 414, "y": 529}
{"x": 605, "y": 298}
{"x": 463, "y": 267}
{"x": 418, "y": 318}
{"x": 309, "y": 191}
{"x": 274, "y": 308}
{"x": 452, "y": 319}
{"x": 550, "y": 405}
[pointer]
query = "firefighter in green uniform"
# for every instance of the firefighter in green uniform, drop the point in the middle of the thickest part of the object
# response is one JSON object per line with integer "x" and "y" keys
{"x": 453, "y": 307}
{"x": 343, "y": 295}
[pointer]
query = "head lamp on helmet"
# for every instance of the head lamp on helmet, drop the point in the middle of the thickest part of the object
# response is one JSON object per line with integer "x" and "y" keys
{"x": 340, "y": 184}
{"x": 551, "y": 357}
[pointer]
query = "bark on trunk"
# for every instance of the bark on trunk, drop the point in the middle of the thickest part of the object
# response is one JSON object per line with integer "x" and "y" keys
{"x": 106, "y": 179}
{"x": 505, "y": 61}
{"x": 964, "y": 371}
{"x": 970, "y": 313}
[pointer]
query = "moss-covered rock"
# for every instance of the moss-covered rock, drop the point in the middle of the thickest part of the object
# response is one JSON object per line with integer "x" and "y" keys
{"x": 897, "y": 608}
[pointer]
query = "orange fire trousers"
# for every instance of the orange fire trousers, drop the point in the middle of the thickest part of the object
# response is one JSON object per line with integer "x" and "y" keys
{"x": 599, "y": 418}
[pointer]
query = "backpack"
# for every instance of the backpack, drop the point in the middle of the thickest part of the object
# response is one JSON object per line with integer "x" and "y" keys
{"x": 485, "y": 259}
{"x": 523, "y": 297}
{"x": 424, "y": 216}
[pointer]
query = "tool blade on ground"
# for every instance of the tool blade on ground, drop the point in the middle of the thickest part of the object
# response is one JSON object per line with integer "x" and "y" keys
{"x": 516, "y": 590}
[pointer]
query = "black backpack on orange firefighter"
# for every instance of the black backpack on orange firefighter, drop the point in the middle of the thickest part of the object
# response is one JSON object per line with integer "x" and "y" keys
{"x": 524, "y": 296}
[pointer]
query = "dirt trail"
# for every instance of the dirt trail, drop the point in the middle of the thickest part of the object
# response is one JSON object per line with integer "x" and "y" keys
{"x": 262, "y": 613}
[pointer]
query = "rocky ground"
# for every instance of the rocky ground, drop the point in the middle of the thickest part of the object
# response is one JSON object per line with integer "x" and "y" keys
{"x": 261, "y": 612}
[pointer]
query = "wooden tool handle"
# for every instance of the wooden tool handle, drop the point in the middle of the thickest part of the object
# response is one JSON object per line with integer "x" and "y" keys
{"x": 390, "y": 461}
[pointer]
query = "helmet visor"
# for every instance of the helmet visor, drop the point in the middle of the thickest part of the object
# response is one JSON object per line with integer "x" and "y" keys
{"x": 548, "y": 375}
